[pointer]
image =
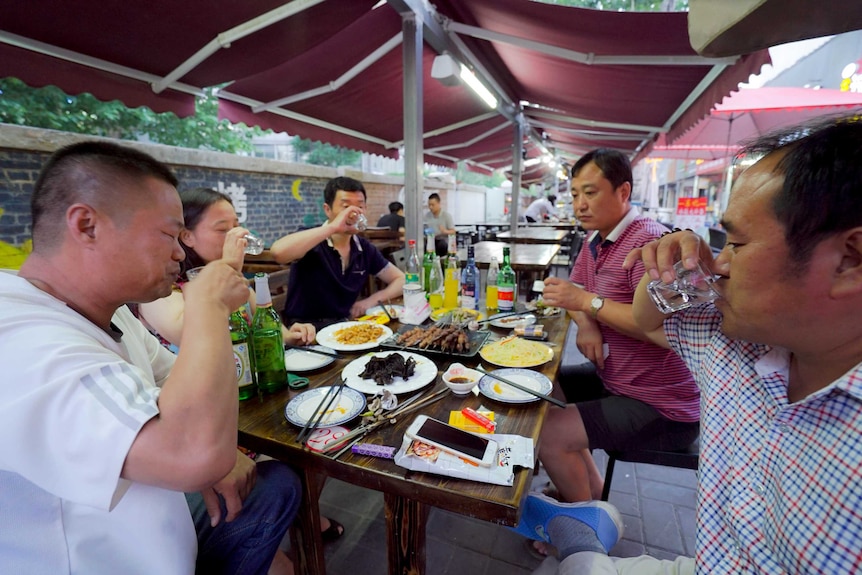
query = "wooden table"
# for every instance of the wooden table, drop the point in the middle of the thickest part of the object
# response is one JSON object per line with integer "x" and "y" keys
{"x": 524, "y": 257}
{"x": 408, "y": 495}
{"x": 537, "y": 235}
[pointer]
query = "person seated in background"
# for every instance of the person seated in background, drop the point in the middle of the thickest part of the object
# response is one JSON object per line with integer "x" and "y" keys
{"x": 332, "y": 263}
{"x": 394, "y": 220}
{"x": 441, "y": 224}
{"x": 541, "y": 209}
{"x": 650, "y": 399}
{"x": 105, "y": 428}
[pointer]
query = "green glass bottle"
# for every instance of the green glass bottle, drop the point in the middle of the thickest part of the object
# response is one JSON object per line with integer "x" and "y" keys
{"x": 267, "y": 342}
{"x": 506, "y": 284}
{"x": 428, "y": 261}
{"x": 239, "y": 337}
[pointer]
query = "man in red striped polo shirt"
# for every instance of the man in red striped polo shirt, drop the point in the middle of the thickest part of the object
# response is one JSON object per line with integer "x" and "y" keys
{"x": 650, "y": 399}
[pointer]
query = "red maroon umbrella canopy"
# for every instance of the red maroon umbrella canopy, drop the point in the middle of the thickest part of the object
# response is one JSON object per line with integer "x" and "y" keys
{"x": 582, "y": 78}
{"x": 750, "y": 113}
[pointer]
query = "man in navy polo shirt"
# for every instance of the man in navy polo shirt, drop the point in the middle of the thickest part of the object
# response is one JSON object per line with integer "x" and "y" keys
{"x": 331, "y": 263}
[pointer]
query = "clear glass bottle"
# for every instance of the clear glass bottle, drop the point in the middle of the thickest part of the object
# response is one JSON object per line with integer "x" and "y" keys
{"x": 267, "y": 342}
{"x": 491, "y": 286}
{"x": 435, "y": 282}
{"x": 428, "y": 260}
{"x": 242, "y": 354}
{"x": 413, "y": 268}
{"x": 506, "y": 282}
{"x": 452, "y": 282}
{"x": 470, "y": 282}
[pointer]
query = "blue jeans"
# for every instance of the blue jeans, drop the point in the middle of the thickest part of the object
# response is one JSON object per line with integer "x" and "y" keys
{"x": 246, "y": 545}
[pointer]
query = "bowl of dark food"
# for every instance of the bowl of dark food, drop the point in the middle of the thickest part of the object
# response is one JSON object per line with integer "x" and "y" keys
{"x": 461, "y": 379}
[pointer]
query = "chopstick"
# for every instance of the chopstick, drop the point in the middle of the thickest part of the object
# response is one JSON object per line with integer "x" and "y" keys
{"x": 311, "y": 350}
{"x": 363, "y": 430}
{"x": 386, "y": 311}
{"x": 548, "y": 398}
{"x": 501, "y": 316}
{"x": 319, "y": 413}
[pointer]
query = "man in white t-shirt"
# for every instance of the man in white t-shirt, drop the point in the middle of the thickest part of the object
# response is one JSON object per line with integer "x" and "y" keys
{"x": 103, "y": 428}
{"x": 541, "y": 208}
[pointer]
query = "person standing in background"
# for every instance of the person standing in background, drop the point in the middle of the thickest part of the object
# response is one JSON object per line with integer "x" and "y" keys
{"x": 441, "y": 223}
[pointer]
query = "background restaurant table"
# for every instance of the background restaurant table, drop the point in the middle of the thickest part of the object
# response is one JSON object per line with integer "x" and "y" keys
{"x": 407, "y": 494}
{"x": 524, "y": 257}
{"x": 533, "y": 236}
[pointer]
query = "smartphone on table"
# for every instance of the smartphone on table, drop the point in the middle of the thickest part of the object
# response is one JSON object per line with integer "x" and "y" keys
{"x": 474, "y": 448}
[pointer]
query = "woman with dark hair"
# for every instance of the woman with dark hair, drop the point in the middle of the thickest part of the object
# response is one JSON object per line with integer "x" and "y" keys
{"x": 212, "y": 232}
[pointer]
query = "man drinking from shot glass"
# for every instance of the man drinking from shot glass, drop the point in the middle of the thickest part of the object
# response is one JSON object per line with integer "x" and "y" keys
{"x": 649, "y": 399}
{"x": 331, "y": 263}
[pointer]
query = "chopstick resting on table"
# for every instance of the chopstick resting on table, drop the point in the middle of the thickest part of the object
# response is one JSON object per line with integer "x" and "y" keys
{"x": 548, "y": 398}
{"x": 311, "y": 350}
{"x": 319, "y": 412}
{"x": 505, "y": 315}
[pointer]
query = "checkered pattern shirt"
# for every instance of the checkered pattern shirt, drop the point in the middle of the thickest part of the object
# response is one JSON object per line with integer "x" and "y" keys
{"x": 780, "y": 484}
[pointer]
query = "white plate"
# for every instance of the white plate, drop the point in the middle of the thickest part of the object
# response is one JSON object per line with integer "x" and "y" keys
{"x": 326, "y": 336}
{"x": 345, "y": 407}
{"x": 425, "y": 373}
{"x": 517, "y": 352}
{"x": 301, "y": 360}
{"x": 496, "y": 389}
{"x": 394, "y": 310}
{"x": 513, "y": 321}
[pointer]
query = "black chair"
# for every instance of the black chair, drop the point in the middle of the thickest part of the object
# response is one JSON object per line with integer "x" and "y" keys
{"x": 687, "y": 459}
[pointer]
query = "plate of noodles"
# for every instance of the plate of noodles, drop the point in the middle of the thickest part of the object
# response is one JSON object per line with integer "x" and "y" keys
{"x": 517, "y": 352}
{"x": 353, "y": 335}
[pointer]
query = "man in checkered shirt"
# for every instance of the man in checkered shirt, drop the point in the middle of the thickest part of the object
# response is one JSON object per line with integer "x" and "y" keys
{"x": 779, "y": 362}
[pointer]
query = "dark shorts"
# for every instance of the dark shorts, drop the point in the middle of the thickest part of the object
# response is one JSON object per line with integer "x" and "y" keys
{"x": 622, "y": 423}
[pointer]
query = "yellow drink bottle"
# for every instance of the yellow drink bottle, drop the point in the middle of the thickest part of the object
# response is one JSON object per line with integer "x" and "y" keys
{"x": 452, "y": 284}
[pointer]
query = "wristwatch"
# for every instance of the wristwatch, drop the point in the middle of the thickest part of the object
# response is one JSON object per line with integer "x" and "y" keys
{"x": 595, "y": 305}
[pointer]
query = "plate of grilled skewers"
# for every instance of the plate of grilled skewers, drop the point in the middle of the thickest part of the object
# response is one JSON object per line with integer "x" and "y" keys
{"x": 449, "y": 340}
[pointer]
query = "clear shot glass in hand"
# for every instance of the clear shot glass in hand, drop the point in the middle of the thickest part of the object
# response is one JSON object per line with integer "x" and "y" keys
{"x": 691, "y": 287}
{"x": 193, "y": 273}
{"x": 361, "y": 223}
{"x": 254, "y": 245}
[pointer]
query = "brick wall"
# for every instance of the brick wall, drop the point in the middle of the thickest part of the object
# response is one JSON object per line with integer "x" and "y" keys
{"x": 272, "y": 209}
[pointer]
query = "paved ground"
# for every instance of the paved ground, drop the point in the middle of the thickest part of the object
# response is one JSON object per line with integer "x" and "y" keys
{"x": 657, "y": 504}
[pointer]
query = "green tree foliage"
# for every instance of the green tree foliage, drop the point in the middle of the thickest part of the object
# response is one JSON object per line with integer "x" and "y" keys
{"x": 322, "y": 154}
{"x": 51, "y": 108}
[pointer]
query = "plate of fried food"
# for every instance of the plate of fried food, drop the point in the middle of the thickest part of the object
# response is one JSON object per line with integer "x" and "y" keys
{"x": 446, "y": 340}
{"x": 353, "y": 335}
{"x": 395, "y": 371}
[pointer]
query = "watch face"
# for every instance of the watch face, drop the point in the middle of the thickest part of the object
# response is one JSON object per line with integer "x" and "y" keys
{"x": 597, "y": 302}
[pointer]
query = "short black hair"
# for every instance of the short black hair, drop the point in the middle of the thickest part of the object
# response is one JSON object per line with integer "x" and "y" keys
{"x": 615, "y": 165}
{"x": 89, "y": 171}
{"x": 822, "y": 190}
{"x": 395, "y": 207}
{"x": 341, "y": 183}
{"x": 552, "y": 198}
{"x": 434, "y": 196}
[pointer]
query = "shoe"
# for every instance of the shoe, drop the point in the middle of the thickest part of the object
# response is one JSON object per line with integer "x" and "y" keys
{"x": 600, "y": 516}
{"x": 333, "y": 532}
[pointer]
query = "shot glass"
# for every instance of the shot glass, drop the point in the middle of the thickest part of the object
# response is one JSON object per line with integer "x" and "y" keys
{"x": 361, "y": 223}
{"x": 193, "y": 273}
{"x": 691, "y": 287}
{"x": 254, "y": 245}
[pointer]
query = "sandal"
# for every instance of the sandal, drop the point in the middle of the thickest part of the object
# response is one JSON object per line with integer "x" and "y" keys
{"x": 333, "y": 532}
